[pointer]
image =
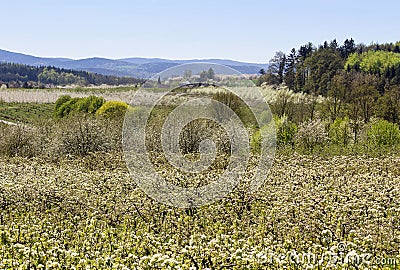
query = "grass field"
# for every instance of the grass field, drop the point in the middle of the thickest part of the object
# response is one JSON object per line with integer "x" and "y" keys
{"x": 25, "y": 112}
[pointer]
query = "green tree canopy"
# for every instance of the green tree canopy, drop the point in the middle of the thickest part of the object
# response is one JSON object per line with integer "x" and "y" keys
{"x": 374, "y": 62}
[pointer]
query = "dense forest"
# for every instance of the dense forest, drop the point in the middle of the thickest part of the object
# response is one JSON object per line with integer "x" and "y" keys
{"x": 23, "y": 76}
{"x": 358, "y": 81}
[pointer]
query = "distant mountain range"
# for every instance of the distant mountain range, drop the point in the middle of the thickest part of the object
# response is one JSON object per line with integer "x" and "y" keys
{"x": 133, "y": 67}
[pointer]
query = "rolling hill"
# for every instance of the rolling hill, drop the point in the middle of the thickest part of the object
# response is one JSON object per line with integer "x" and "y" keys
{"x": 132, "y": 67}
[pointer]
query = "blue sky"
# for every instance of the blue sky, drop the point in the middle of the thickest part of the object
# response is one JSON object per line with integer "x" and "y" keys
{"x": 244, "y": 30}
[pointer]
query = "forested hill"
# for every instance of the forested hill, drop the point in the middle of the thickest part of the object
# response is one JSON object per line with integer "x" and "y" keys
{"x": 16, "y": 75}
{"x": 135, "y": 67}
{"x": 361, "y": 80}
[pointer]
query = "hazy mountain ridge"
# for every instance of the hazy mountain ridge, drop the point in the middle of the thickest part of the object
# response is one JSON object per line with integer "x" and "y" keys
{"x": 138, "y": 67}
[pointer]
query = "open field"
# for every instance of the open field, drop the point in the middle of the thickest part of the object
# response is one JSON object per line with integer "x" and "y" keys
{"x": 50, "y": 96}
{"x": 25, "y": 112}
{"x": 67, "y": 200}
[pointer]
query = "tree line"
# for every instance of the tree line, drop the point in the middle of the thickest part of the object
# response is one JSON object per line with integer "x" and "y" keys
{"x": 358, "y": 81}
{"x": 24, "y": 76}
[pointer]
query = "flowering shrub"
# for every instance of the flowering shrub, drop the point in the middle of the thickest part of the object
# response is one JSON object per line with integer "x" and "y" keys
{"x": 310, "y": 134}
{"x": 16, "y": 140}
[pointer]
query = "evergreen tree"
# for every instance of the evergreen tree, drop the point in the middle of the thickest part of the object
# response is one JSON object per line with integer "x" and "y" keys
{"x": 290, "y": 70}
{"x": 347, "y": 48}
{"x": 321, "y": 67}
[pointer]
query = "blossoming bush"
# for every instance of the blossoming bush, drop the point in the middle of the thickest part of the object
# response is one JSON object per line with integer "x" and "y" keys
{"x": 311, "y": 134}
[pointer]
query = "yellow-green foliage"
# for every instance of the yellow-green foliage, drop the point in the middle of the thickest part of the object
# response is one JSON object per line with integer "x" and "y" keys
{"x": 376, "y": 62}
{"x": 340, "y": 131}
{"x": 66, "y": 105}
{"x": 261, "y": 135}
{"x": 285, "y": 130}
{"x": 112, "y": 109}
{"x": 383, "y": 132}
